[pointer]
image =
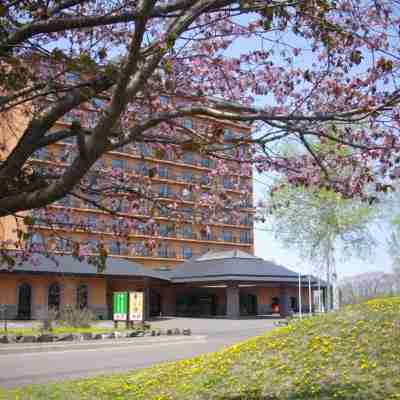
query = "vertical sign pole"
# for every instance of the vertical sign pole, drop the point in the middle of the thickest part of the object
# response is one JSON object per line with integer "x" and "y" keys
{"x": 300, "y": 305}
{"x": 127, "y": 311}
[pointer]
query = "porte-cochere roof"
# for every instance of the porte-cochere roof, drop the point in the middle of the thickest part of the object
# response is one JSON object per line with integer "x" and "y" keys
{"x": 231, "y": 265}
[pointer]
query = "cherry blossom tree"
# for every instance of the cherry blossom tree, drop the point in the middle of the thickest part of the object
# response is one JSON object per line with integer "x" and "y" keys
{"x": 321, "y": 73}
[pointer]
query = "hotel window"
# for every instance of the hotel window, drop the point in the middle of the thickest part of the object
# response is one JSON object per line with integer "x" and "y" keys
{"x": 187, "y": 176}
{"x": 204, "y": 180}
{"x": 117, "y": 163}
{"x": 93, "y": 246}
{"x": 124, "y": 249}
{"x": 92, "y": 222}
{"x": 62, "y": 244}
{"x": 144, "y": 149}
{"x": 164, "y": 210}
{"x": 227, "y": 236}
{"x": 140, "y": 227}
{"x": 37, "y": 238}
{"x": 163, "y": 172}
{"x": 62, "y": 218}
{"x": 54, "y": 296}
{"x": 188, "y": 123}
{"x": 163, "y": 230}
{"x": 293, "y": 304}
{"x": 205, "y": 162}
{"x": 162, "y": 252}
{"x": 141, "y": 249}
{"x": 188, "y": 158}
{"x": 96, "y": 199}
{"x": 245, "y": 237}
{"x": 227, "y": 183}
{"x": 82, "y": 296}
{"x": 163, "y": 191}
{"x": 114, "y": 247}
{"x": 125, "y": 205}
{"x": 142, "y": 169}
{"x": 187, "y": 212}
{"x": 228, "y": 134}
{"x": 187, "y": 231}
{"x": 186, "y": 252}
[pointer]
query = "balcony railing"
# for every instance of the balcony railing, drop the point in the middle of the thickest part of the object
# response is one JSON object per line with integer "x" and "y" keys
{"x": 91, "y": 226}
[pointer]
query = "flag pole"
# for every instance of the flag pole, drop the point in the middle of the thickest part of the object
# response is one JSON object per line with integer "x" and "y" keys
{"x": 300, "y": 312}
{"x": 309, "y": 296}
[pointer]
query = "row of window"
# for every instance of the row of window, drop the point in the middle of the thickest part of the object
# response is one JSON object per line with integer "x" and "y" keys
{"x": 144, "y": 208}
{"x": 147, "y": 248}
{"x": 93, "y": 223}
{"x": 148, "y": 150}
{"x": 90, "y": 118}
{"x": 54, "y": 296}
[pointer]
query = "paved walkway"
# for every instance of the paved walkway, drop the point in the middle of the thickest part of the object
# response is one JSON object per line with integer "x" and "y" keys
{"x": 86, "y": 359}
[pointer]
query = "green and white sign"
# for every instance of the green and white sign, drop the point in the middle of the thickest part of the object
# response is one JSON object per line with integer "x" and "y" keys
{"x": 120, "y": 306}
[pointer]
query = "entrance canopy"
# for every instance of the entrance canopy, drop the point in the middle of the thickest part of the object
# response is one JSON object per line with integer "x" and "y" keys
{"x": 225, "y": 266}
{"x": 232, "y": 266}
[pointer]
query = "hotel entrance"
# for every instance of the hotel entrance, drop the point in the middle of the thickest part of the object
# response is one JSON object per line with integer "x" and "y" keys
{"x": 197, "y": 304}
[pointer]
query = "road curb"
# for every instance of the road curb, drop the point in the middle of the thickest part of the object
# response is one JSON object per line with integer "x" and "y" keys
{"x": 6, "y": 349}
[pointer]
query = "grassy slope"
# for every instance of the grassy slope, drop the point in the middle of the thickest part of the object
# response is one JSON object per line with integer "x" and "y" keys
{"x": 351, "y": 355}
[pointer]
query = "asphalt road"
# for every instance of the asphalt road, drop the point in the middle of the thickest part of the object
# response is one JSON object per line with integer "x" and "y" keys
{"x": 53, "y": 362}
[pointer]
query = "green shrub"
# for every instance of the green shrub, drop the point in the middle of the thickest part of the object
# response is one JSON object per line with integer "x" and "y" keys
{"x": 75, "y": 317}
{"x": 48, "y": 319}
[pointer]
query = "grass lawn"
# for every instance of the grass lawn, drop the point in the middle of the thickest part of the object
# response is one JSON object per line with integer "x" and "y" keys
{"x": 354, "y": 354}
{"x": 60, "y": 329}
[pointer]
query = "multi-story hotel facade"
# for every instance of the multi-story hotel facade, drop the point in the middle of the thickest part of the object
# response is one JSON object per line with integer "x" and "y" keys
{"x": 171, "y": 229}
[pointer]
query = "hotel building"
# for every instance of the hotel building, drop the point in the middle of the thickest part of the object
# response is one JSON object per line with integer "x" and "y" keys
{"x": 161, "y": 234}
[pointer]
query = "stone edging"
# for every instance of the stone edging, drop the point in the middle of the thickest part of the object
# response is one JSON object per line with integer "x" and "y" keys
{"x": 78, "y": 337}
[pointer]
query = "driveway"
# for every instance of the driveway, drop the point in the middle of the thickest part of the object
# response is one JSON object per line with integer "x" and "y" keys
{"x": 85, "y": 359}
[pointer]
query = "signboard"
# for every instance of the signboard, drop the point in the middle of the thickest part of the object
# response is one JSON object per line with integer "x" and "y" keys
{"x": 136, "y": 306}
{"x": 120, "y": 306}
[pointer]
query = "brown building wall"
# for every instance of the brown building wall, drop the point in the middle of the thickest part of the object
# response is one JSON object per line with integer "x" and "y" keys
{"x": 9, "y": 284}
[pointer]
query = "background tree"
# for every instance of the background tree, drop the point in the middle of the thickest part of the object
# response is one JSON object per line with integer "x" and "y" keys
{"x": 307, "y": 62}
{"x": 321, "y": 225}
{"x": 368, "y": 285}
